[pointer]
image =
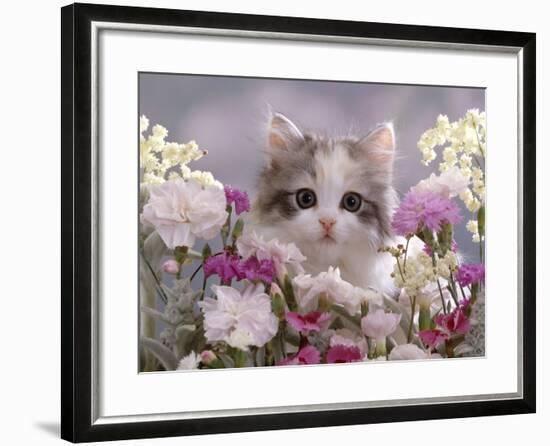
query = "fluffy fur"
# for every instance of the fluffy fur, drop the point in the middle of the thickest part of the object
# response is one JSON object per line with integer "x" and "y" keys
{"x": 331, "y": 168}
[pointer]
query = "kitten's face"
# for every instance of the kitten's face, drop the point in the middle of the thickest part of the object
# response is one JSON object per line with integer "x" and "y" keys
{"x": 327, "y": 194}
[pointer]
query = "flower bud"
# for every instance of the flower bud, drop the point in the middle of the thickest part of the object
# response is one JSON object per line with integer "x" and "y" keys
{"x": 208, "y": 356}
{"x": 171, "y": 266}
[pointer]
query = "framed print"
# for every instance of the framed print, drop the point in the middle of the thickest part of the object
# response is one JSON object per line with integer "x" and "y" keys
{"x": 277, "y": 222}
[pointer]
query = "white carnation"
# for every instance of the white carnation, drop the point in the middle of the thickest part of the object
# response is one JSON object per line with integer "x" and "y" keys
{"x": 182, "y": 210}
{"x": 239, "y": 318}
{"x": 449, "y": 183}
{"x": 330, "y": 285}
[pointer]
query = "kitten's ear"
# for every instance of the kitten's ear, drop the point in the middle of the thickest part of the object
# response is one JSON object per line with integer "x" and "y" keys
{"x": 379, "y": 146}
{"x": 282, "y": 134}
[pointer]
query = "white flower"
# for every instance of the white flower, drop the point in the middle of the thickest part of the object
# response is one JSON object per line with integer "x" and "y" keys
{"x": 279, "y": 253}
{"x": 344, "y": 336}
{"x": 449, "y": 183}
{"x": 407, "y": 352}
{"x": 143, "y": 125}
{"x": 239, "y": 318}
{"x": 204, "y": 178}
{"x": 182, "y": 210}
{"x": 379, "y": 324}
{"x": 329, "y": 284}
{"x": 189, "y": 362}
{"x": 417, "y": 273}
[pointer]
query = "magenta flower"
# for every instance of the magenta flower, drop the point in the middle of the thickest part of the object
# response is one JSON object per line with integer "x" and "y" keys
{"x": 226, "y": 266}
{"x": 232, "y": 195}
{"x": 313, "y": 321}
{"x": 470, "y": 273}
{"x": 454, "y": 322}
{"x": 254, "y": 269}
{"x": 420, "y": 209}
{"x": 432, "y": 338}
{"x": 343, "y": 353}
{"x": 306, "y": 355}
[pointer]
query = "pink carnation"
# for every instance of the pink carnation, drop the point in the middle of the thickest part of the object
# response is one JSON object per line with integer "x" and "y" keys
{"x": 224, "y": 265}
{"x": 343, "y": 353}
{"x": 470, "y": 273}
{"x": 306, "y": 355}
{"x": 314, "y": 321}
{"x": 432, "y": 338}
{"x": 454, "y": 322}
{"x": 254, "y": 269}
{"x": 232, "y": 195}
{"x": 420, "y": 209}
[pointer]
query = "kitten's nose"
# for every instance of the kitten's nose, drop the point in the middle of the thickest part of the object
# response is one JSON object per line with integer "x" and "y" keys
{"x": 327, "y": 223}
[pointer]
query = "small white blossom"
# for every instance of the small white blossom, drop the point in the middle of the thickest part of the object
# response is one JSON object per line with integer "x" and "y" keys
{"x": 189, "y": 362}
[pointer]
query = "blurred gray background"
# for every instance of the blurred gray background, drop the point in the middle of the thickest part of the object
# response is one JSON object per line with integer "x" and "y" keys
{"x": 227, "y": 116}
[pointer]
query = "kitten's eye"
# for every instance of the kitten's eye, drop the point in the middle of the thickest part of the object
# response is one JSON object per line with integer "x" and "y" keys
{"x": 351, "y": 201}
{"x": 306, "y": 198}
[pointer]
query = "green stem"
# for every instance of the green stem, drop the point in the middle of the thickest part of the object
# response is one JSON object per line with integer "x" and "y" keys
{"x": 157, "y": 281}
{"x": 406, "y": 251}
{"x": 439, "y": 285}
{"x": 441, "y": 294}
{"x": 452, "y": 289}
{"x": 400, "y": 270}
{"x": 413, "y": 308}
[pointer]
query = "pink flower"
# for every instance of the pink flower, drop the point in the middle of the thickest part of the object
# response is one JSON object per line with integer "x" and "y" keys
{"x": 306, "y": 355}
{"x": 171, "y": 266}
{"x": 314, "y": 321}
{"x": 432, "y": 338}
{"x": 424, "y": 209}
{"x": 226, "y": 266}
{"x": 232, "y": 195}
{"x": 254, "y": 269}
{"x": 454, "y": 322}
{"x": 470, "y": 273}
{"x": 343, "y": 353}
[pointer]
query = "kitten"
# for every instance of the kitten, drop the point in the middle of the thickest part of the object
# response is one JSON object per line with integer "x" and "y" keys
{"x": 332, "y": 197}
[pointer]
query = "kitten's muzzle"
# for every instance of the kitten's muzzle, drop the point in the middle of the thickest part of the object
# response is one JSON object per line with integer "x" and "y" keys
{"x": 327, "y": 224}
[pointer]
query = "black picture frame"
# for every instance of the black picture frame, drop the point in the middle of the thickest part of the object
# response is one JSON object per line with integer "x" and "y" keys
{"x": 76, "y": 233}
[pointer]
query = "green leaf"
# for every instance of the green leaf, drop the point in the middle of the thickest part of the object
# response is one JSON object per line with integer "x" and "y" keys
{"x": 278, "y": 306}
{"x": 154, "y": 249}
{"x": 216, "y": 364}
{"x": 400, "y": 335}
{"x": 445, "y": 238}
{"x": 337, "y": 323}
{"x": 184, "y": 338}
{"x": 227, "y": 360}
{"x": 481, "y": 221}
{"x": 260, "y": 357}
{"x": 424, "y": 319}
{"x": 161, "y": 352}
{"x": 206, "y": 251}
{"x": 180, "y": 253}
{"x": 289, "y": 294}
{"x": 237, "y": 230}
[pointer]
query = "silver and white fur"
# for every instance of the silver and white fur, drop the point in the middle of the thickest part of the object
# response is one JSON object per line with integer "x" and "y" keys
{"x": 328, "y": 233}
